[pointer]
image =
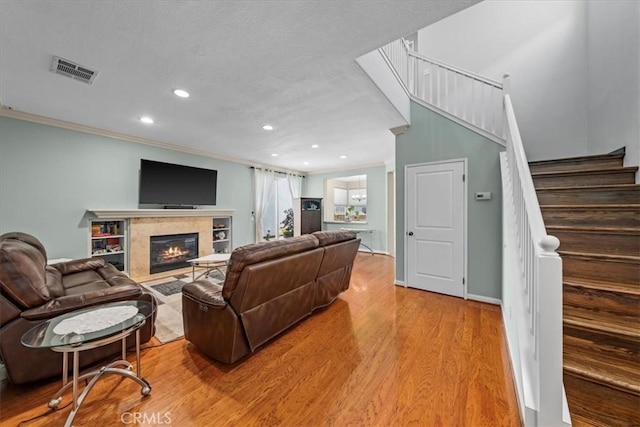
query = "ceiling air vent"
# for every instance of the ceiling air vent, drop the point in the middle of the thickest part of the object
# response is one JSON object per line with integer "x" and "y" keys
{"x": 72, "y": 70}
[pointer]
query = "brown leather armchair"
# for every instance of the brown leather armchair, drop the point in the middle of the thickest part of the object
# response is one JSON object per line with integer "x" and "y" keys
{"x": 32, "y": 291}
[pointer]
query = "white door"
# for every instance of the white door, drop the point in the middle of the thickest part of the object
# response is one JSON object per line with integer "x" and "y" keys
{"x": 435, "y": 206}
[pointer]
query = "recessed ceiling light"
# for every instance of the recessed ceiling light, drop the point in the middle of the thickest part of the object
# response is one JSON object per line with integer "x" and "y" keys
{"x": 343, "y": 157}
{"x": 274, "y": 155}
{"x": 306, "y": 163}
{"x": 315, "y": 146}
{"x": 267, "y": 127}
{"x": 146, "y": 119}
{"x": 181, "y": 93}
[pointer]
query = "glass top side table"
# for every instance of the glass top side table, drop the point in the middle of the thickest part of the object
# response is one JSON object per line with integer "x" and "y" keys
{"x": 89, "y": 328}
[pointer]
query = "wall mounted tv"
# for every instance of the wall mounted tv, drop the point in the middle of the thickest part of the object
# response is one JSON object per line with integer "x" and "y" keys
{"x": 176, "y": 185}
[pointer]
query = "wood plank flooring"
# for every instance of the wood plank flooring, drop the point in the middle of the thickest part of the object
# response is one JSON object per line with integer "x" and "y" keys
{"x": 380, "y": 355}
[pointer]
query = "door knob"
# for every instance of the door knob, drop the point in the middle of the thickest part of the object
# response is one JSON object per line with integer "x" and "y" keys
{"x": 410, "y": 233}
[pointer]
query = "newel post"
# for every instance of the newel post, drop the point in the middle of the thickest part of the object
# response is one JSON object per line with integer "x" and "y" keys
{"x": 550, "y": 321}
{"x": 506, "y": 84}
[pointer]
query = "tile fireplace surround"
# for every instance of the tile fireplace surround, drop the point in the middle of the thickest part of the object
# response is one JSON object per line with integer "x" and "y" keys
{"x": 144, "y": 223}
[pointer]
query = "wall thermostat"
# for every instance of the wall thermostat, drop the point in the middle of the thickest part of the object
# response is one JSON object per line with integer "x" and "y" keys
{"x": 484, "y": 195}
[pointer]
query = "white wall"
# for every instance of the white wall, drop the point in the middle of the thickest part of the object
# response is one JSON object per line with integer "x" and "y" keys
{"x": 542, "y": 44}
{"x": 613, "y": 51}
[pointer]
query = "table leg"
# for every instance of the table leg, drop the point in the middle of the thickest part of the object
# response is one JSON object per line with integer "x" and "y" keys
{"x": 76, "y": 364}
{"x": 65, "y": 368}
{"x": 138, "y": 352}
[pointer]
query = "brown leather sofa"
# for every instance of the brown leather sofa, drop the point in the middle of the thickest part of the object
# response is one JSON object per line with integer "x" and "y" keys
{"x": 269, "y": 287}
{"x": 32, "y": 291}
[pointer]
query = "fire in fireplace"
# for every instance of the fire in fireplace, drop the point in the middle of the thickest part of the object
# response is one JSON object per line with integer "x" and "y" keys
{"x": 172, "y": 251}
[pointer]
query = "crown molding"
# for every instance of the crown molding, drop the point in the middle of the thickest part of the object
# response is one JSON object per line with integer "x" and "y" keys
{"x": 346, "y": 168}
{"x": 43, "y": 120}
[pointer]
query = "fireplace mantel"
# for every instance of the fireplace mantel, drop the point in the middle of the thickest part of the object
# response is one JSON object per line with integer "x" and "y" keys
{"x": 157, "y": 213}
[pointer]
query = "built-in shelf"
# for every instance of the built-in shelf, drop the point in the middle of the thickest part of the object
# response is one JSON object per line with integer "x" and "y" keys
{"x": 108, "y": 236}
{"x": 221, "y": 234}
{"x": 108, "y": 239}
{"x": 107, "y": 253}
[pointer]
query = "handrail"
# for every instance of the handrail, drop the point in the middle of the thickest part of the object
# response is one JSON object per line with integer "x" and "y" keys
{"x": 534, "y": 295}
{"x": 466, "y": 97}
{"x": 526, "y": 181}
{"x": 458, "y": 70}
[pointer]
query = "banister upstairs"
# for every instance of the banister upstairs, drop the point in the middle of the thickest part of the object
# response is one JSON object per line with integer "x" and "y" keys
{"x": 461, "y": 95}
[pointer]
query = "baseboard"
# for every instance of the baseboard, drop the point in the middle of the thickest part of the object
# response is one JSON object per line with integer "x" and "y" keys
{"x": 367, "y": 251}
{"x": 400, "y": 283}
{"x": 482, "y": 298}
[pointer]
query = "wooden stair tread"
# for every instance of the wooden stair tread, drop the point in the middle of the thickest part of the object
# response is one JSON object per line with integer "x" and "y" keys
{"x": 582, "y": 229}
{"x": 623, "y": 288}
{"x": 607, "y": 257}
{"x": 619, "y": 156}
{"x": 602, "y": 322}
{"x": 623, "y": 207}
{"x": 604, "y": 373}
{"x": 592, "y": 187}
{"x": 579, "y": 172}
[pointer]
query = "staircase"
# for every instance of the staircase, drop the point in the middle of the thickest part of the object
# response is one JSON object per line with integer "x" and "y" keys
{"x": 592, "y": 205}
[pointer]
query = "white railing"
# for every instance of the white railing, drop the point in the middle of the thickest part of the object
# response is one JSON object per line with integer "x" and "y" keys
{"x": 532, "y": 288}
{"x": 458, "y": 93}
{"x": 532, "y": 270}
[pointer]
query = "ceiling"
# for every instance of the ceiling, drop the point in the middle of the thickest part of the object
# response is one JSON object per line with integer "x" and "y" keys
{"x": 290, "y": 64}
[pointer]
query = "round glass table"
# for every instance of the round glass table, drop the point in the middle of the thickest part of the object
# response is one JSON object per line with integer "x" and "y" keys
{"x": 89, "y": 328}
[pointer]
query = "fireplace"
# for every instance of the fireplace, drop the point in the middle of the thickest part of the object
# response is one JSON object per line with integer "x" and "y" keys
{"x": 172, "y": 251}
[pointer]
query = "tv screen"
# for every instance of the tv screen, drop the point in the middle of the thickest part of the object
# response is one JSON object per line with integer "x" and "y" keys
{"x": 170, "y": 184}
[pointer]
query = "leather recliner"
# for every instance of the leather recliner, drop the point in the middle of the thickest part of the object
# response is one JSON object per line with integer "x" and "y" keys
{"x": 32, "y": 292}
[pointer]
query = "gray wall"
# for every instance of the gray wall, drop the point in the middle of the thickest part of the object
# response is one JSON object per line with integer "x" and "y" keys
{"x": 376, "y": 202}
{"x": 50, "y": 176}
{"x": 432, "y": 137}
{"x": 614, "y": 77}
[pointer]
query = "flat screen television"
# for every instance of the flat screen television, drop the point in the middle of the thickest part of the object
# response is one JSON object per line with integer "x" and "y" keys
{"x": 176, "y": 185}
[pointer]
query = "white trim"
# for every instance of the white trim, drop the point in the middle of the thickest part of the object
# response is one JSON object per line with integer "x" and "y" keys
{"x": 465, "y": 212}
{"x": 346, "y": 168}
{"x": 157, "y": 213}
{"x": 400, "y": 283}
{"x": 459, "y": 70}
{"x": 34, "y": 118}
{"x": 367, "y": 251}
{"x": 482, "y": 298}
{"x": 459, "y": 121}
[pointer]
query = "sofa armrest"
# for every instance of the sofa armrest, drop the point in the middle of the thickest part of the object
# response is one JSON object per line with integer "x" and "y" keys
{"x": 69, "y": 303}
{"x": 205, "y": 292}
{"x": 78, "y": 265}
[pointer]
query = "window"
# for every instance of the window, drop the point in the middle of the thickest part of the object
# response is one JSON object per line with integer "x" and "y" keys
{"x": 346, "y": 199}
{"x": 279, "y": 208}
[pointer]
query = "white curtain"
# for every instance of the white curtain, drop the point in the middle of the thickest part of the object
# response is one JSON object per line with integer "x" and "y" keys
{"x": 263, "y": 185}
{"x": 295, "y": 186}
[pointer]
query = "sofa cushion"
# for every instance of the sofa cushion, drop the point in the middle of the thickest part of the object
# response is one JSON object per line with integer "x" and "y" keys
{"x": 334, "y": 236}
{"x": 22, "y": 273}
{"x": 78, "y": 265}
{"x": 54, "y": 281}
{"x": 263, "y": 251}
{"x": 71, "y": 281}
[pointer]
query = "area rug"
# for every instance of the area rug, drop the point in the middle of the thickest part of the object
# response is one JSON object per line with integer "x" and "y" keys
{"x": 168, "y": 292}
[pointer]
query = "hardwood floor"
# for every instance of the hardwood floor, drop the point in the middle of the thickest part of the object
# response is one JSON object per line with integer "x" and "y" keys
{"x": 380, "y": 355}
